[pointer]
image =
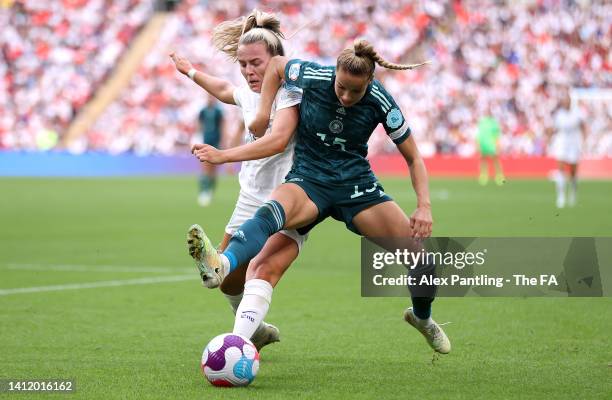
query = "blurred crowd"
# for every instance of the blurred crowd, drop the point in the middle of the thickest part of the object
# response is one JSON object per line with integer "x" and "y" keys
{"x": 512, "y": 59}
{"x": 54, "y": 56}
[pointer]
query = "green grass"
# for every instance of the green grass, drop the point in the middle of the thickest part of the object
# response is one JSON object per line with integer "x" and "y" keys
{"x": 145, "y": 341}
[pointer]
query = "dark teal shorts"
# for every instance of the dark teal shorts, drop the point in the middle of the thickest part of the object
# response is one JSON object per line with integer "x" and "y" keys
{"x": 339, "y": 202}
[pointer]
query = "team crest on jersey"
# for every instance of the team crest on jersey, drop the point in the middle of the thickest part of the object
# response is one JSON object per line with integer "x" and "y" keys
{"x": 294, "y": 71}
{"x": 341, "y": 110}
{"x": 336, "y": 126}
{"x": 394, "y": 118}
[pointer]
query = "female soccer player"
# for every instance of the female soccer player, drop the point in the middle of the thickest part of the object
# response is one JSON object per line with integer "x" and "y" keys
{"x": 566, "y": 147}
{"x": 341, "y": 107}
{"x": 252, "y": 41}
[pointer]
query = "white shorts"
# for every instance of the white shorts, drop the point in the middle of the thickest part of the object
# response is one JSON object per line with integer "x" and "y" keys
{"x": 246, "y": 206}
{"x": 567, "y": 149}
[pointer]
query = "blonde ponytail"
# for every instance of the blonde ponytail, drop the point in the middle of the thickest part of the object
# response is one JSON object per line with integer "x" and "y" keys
{"x": 256, "y": 27}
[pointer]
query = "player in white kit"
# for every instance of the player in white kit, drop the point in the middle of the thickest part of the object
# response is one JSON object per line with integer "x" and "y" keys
{"x": 566, "y": 149}
{"x": 252, "y": 41}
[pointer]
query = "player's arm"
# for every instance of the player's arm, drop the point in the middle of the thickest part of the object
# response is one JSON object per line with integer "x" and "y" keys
{"x": 399, "y": 132}
{"x": 275, "y": 73}
{"x": 421, "y": 220}
{"x": 285, "y": 123}
{"x": 220, "y": 88}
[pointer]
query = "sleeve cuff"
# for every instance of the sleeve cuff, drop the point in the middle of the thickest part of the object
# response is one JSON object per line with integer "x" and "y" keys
{"x": 400, "y": 134}
{"x": 402, "y": 138}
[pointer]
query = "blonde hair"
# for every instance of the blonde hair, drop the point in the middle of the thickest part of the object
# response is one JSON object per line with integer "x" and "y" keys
{"x": 256, "y": 27}
{"x": 360, "y": 59}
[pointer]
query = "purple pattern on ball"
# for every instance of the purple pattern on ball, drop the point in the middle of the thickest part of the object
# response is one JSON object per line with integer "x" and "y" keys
{"x": 216, "y": 359}
{"x": 233, "y": 341}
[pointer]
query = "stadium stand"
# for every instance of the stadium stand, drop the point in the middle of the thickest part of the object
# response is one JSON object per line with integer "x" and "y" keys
{"x": 517, "y": 56}
{"x": 55, "y": 55}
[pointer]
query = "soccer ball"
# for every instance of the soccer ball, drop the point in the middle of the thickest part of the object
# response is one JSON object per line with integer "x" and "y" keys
{"x": 230, "y": 360}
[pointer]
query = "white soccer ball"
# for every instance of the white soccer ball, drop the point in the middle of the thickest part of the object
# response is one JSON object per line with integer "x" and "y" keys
{"x": 230, "y": 360}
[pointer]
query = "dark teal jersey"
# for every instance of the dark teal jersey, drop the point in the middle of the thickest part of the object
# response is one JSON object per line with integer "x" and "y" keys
{"x": 210, "y": 122}
{"x": 332, "y": 140}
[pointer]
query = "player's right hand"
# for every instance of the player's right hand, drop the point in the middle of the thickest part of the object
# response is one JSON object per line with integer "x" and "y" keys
{"x": 421, "y": 222}
{"x": 181, "y": 63}
{"x": 207, "y": 153}
{"x": 196, "y": 147}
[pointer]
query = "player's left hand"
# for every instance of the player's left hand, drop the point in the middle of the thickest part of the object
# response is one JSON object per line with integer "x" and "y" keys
{"x": 421, "y": 222}
{"x": 181, "y": 63}
{"x": 207, "y": 153}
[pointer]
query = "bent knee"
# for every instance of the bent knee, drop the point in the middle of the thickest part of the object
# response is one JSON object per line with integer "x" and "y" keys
{"x": 262, "y": 269}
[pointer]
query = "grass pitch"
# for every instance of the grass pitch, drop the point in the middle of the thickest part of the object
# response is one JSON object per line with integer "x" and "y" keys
{"x": 145, "y": 340}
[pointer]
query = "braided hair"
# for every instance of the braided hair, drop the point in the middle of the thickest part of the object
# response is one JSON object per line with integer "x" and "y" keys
{"x": 361, "y": 59}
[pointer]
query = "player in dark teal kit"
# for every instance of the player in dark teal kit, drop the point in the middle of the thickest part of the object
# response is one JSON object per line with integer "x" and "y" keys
{"x": 341, "y": 106}
{"x": 211, "y": 123}
{"x": 330, "y": 163}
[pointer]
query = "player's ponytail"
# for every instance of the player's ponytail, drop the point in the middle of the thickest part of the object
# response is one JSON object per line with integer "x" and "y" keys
{"x": 360, "y": 59}
{"x": 256, "y": 27}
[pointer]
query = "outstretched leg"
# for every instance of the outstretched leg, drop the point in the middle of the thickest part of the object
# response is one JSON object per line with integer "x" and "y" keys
{"x": 388, "y": 221}
{"x": 264, "y": 272}
{"x": 232, "y": 288}
{"x": 289, "y": 207}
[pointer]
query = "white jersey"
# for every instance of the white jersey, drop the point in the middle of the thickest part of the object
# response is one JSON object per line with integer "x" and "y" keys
{"x": 567, "y": 123}
{"x": 258, "y": 178}
{"x": 567, "y": 144}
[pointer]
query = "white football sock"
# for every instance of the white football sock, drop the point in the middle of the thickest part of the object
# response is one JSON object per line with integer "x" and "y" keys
{"x": 226, "y": 265}
{"x": 234, "y": 300}
{"x": 253, "y": 307}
